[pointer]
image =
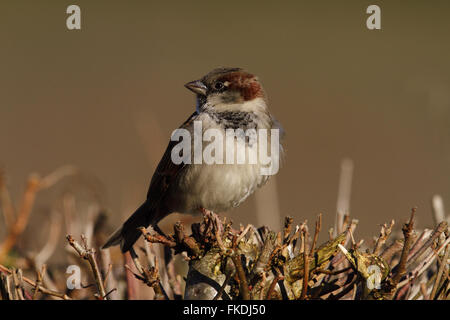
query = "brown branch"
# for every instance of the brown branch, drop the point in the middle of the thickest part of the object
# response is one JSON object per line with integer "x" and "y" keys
{"x": 440, "y": 272}
{"x": 149, "y": 276}
{"x": 294, "y": 268}
{"x": 243, "y": 284}
{"x": 55, "y": 176}
{"x": 423, "y": 290}
{"x": 109, "y": 280}
{"x": 129, "y": 277}
{"x": 186, "y": 243}
{"x": 287, "y": 228}
{"x": 316, "y": 235}
{"x": 400, "y": 269}
{"x": 306, "y": 261}
{"x": 424, "y": 265}
{"x": 243, "y": 233}
{"x": 391, "y": 250}
{"x": 332, "y": 273}
{"x": 89, "y": 255}
{"x": 346, "y": 290}
{"x": 157, "y": 238}
{"x": 39, "y": 281}
{"x": 264, "y": 257}
{"x": 34, "y": 184}
{"x": 108, "y": 272}
{"x": 22, "y": 217}
{"x": 41, "y": 288}
{"x": 5, "y": 200}
{"x": 382, "y": 238}
{"x": 308, "y": 257}
{"x": 442, "y": 227}
{"x": 271, "y": 290}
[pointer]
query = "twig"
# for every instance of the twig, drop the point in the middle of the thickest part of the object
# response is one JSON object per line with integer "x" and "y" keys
{"x": 57, "y": 175}
{"x": 149, "y": 276}
{"x": 243, "y": 233}
{"x": 400, "y": 269}
{"x": 440, "y": 272}
{"x": 305, "y": 265}
{"x": 274, "y": 283}
{"x": 287, "y": 228}
{"x": 442, "y": 227}
{"x": 243, "y": 284}
{"x": 107, "y": 275}
{"x": 18, "y": 285}
{"x": 89, "y": 255}
{"x": 38, "y": 281}
{"x": 332, "y": 273}
{"x": 391, "y": 250}
{"x": 5, "y": 200}
{"x": 419, "y": 243}
{"x": 384, "y": 235}
{"x": 218, "y": 232}
{"x": 316, "y": 235}
{"x": 222, "y": 288}
{"x": 186, "y": 243}
{"x": 157, "y": 238}
{"x": 424, "y": 265}
{"x": 264, "y": 257}
{"x": 309, "y": 256}
{"x": 109, "y": 281}
{"x": 34, "y": 184}
{"x": 22, "y": 218}
{"x": 423, "y": 290}
{"x": 345, "y": 290}
{"x": 129, "y": 277}
{"x": 41, "y": 288}
{"x": 109, "y": 292}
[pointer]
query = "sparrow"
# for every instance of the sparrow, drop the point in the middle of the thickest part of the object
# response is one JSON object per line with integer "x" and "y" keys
{"x": 226, "y": 98}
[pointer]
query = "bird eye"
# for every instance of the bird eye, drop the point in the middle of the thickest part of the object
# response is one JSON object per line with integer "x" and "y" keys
{"x": 218, "y": 85}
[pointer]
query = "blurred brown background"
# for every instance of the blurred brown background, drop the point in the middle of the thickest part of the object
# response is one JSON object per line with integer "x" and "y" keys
{"x": 107, "y": 97}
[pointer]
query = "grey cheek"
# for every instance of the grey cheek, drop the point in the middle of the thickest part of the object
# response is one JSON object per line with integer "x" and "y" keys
{"x": 230, "y": 98}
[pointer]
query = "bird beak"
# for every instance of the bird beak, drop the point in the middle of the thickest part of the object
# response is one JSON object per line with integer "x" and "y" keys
{"x": 197, "y": 87}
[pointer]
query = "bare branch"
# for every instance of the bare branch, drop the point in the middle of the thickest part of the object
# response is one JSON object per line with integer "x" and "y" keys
{"x": 89, "y": 255}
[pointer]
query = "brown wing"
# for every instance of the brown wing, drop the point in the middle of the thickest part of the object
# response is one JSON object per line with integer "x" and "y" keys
{"x": 166, "y": 172}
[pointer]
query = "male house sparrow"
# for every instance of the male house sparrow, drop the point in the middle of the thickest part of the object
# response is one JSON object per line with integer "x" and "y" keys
{"x": 227, "y": 98}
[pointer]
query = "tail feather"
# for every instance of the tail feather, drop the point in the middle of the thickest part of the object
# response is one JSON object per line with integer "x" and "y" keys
{"x": 129, "y": 233}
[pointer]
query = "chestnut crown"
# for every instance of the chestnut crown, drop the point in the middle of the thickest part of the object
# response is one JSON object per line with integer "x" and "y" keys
{"x": 229, "y": 85}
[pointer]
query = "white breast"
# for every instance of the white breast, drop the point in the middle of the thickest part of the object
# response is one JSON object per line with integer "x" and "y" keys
{"x": 218, "y": 187}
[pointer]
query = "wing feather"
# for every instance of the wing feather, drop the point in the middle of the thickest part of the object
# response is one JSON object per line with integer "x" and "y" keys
{"x": 167, "y": 171}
